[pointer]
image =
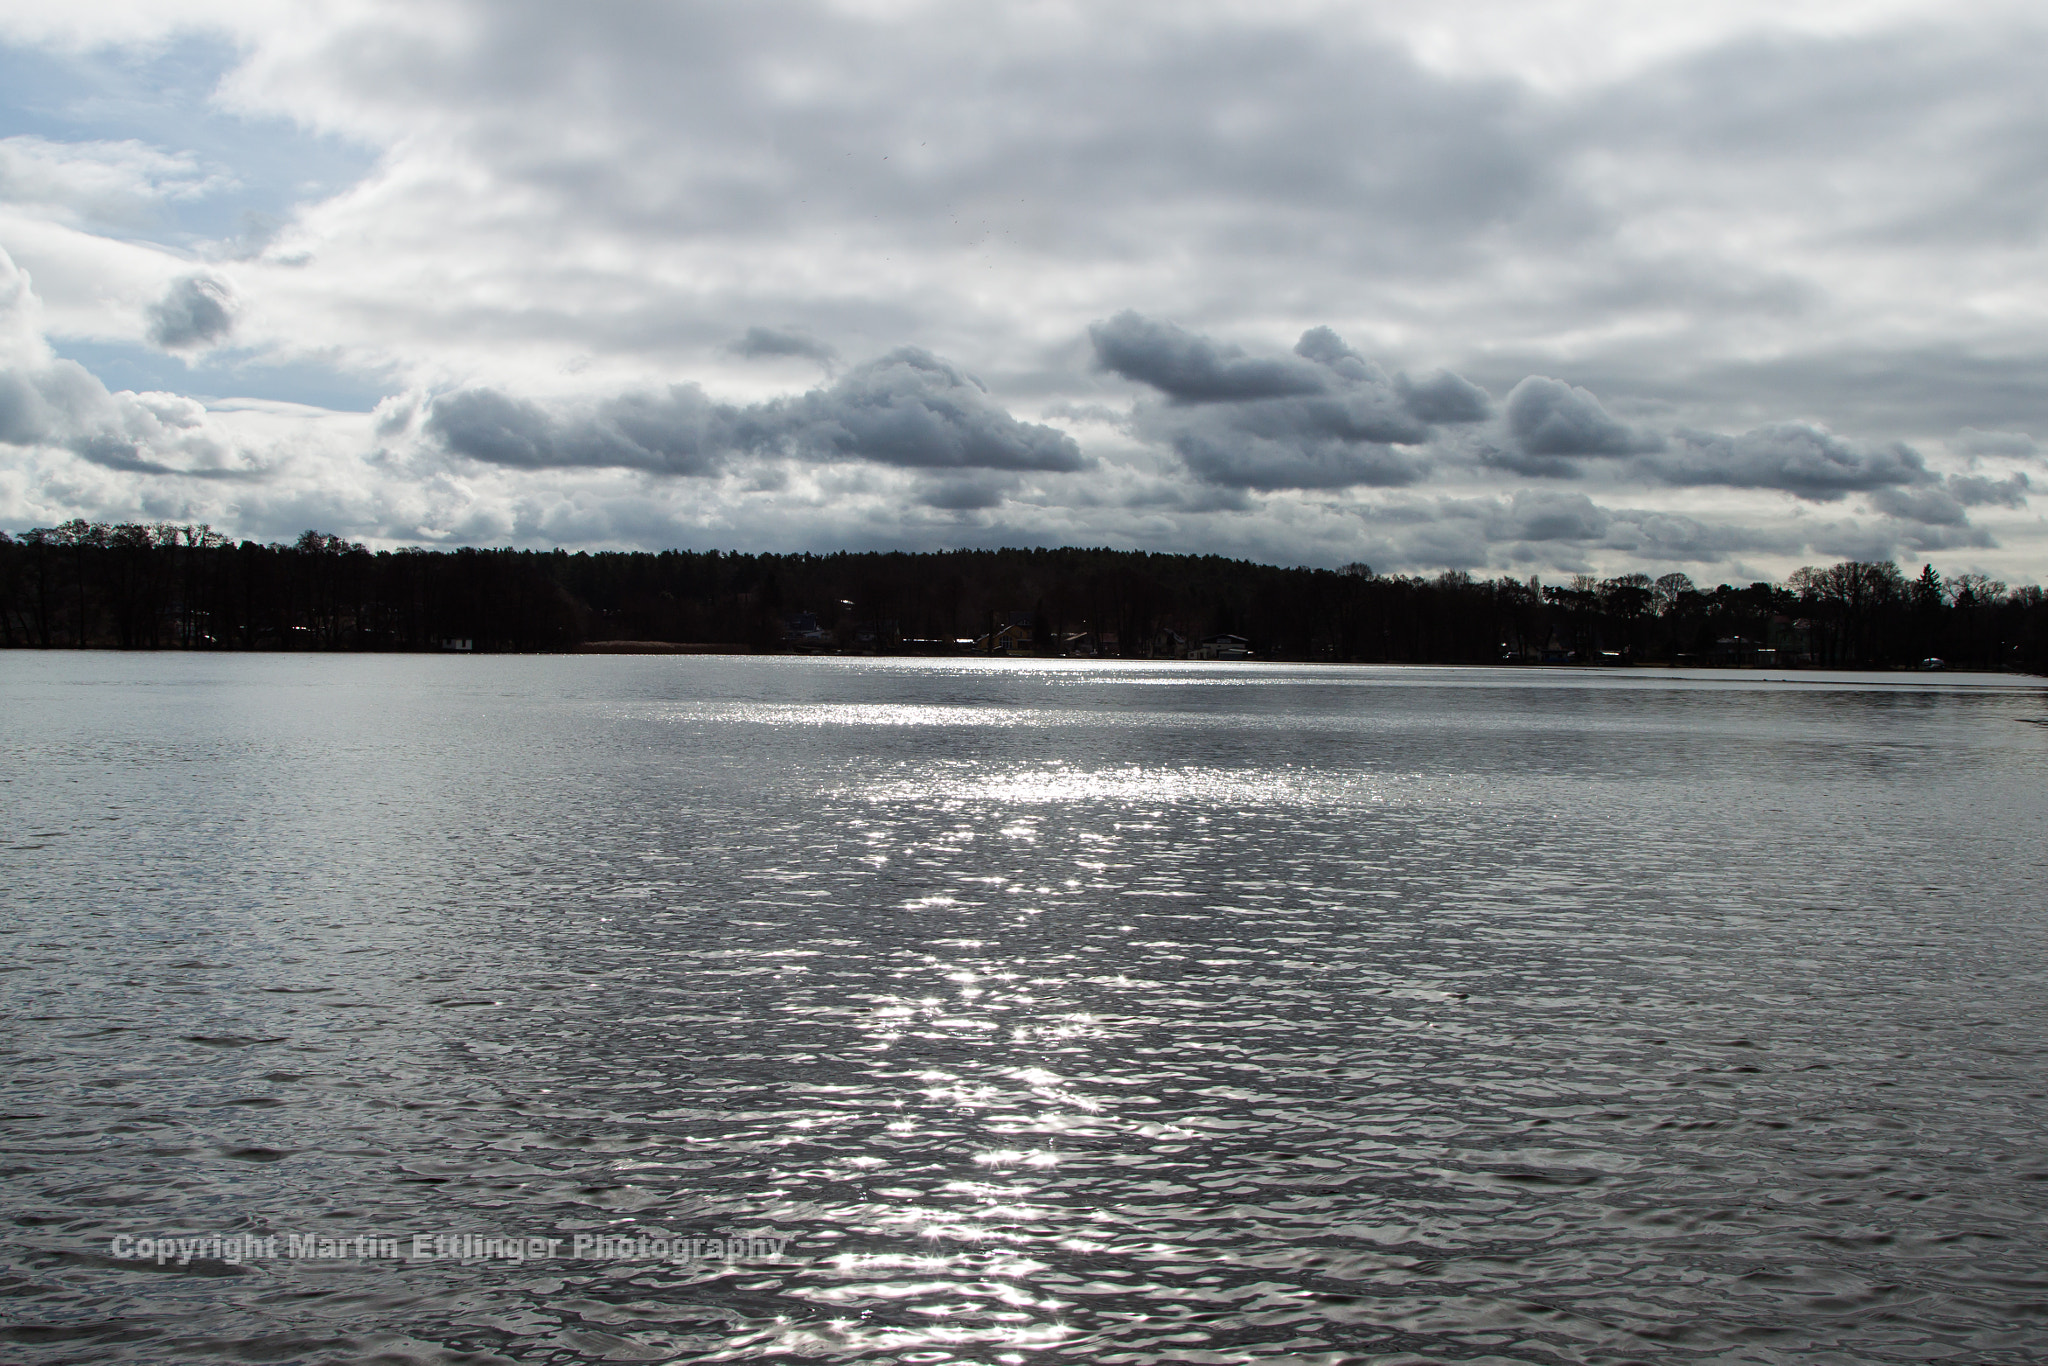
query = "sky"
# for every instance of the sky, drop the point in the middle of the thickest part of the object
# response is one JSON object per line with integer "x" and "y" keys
{"x": 1504, "y": 286}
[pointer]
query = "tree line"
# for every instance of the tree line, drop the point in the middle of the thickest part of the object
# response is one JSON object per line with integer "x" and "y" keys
{"x": 132, "y": 586}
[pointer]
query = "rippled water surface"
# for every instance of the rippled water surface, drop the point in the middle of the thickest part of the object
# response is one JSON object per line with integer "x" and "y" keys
{"x": 1122, "y": 1013}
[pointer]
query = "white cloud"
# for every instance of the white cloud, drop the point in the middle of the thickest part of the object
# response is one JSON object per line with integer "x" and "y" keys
{"x": 117, "y": 185}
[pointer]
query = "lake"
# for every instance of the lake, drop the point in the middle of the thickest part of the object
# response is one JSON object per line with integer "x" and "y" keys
{"x": 658, "y": 1008}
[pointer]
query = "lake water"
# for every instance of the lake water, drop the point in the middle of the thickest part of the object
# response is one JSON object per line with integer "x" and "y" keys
{"x": 1013, "y": 1012}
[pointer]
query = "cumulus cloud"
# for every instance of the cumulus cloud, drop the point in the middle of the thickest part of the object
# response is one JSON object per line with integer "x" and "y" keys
{"x": 1976, "y": 490}
{"x": 1547, "y": 417}
{"x": 1444, "y": 398}
{"x": 1928, "y": 506}
{"x": 1800, "y": 458}
{"x": 1189, "y": 368}
{"x": 678, "y": 432}
{"x": 909, "y": 409}
{"x": 913, "y": 409}
{"x": 47, "y": 401}
{"x": 1323, "y": 418}
{"x": 1934, "y": 505}
{"x": 194, "y": 312}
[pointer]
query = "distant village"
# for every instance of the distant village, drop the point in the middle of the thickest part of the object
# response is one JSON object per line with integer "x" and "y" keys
{"x": 132, "y": 586}
{"x": 1787, "y": 643}
{"x": 1015, "y": 635}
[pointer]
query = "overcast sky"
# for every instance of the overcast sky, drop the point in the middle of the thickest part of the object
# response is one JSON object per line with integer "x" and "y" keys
{"x": 1499, "y": 285}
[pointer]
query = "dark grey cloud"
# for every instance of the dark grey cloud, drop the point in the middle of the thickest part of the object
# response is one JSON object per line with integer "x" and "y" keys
{"x": 912, "y": 409}
{"x": 1547, "y": 417}
{"x": 1886, "y": 539}
{"x": 114, "y": 452}
{"x": 908, "y": 408}
{"x": 1324, "y": 418}
{"x": 1799, "y": 458}
{"x": 1189, "y": 368}
{"x": 1945, "y": 506}
{"x": 1928, "y": 506}
{"x": 679, "y": 432}
{"x": 1444, "y": 398}
{"x": 194, "y": 312}
{"x": 1918, "y": 392}
{"x": 767, "y": 343}
{"x": 1976, "y": 490}
{"x": 1515, "y": 460}
{"x": 964, "y": 493}
{"x": 1927, "y": 539}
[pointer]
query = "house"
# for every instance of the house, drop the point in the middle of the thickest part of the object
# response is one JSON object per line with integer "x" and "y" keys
{"x": 1224, "y": 646}
{"x": 801, "y": 628}
{"x": 1014, "y": 639}
{"x": 877, "y": 635}
{"x": 1740, "y": 652}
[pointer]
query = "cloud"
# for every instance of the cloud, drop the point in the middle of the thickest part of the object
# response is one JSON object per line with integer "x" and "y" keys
{"x": 196, "y": 311}
{"x": 116, "y": 184}
{"x": 965, "y": 494}
{"x": 1976, "y": 490}
{"x": 1660, "y": 536}
{"x": 1323, "y": 418}
{"x": 1535, "y": 527}
{"x": 1800, "y": 458}
{"x": 1972, "y": 442}
{"x": 1928, "y": 506}
{"x": 1736, "y": 218}
{"x": 767, "y": 343}
{"x": 1189, "y": 368}
{"x": 1547, "y": 417}
{"x": 1444, "y": 398}
{"x": 1884, "y": 540}
{"x": 1492, "y": 455}
{"x": 1235, "y": 459}
{"x": 678, "y": 432}
{"x": 50, "y": 404}
{"x": 1544, "y": 515}
{"x": 48, "y": 401}
{"x": 908, "y": 409}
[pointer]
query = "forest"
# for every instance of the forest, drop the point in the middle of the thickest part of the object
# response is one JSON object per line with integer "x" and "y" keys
{"x": 141, "y": 587}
